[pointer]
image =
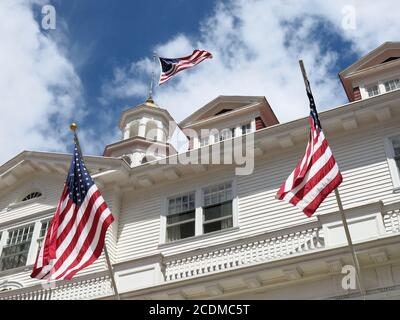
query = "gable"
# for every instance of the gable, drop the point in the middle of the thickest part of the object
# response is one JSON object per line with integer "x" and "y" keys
{"x": 386, "y": 53}
{"x": 48, "y": 184}
{"x": 221, "y": 105}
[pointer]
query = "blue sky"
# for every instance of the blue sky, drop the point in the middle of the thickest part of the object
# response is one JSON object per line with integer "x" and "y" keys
{"x": 105, "y": 34}
{"x": 98, "y": 60}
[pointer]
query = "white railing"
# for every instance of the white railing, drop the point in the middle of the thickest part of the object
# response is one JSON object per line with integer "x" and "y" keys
{"x": 80, "y": 289}
{"x": 391, "y": 219}
{"x": 243, "y": 253}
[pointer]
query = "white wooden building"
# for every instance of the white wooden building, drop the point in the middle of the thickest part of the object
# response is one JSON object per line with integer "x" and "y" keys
{"x": 203, "y": 231}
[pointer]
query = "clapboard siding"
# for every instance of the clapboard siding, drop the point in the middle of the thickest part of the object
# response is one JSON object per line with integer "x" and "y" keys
{"x": 136, "y": 233}
{"x": 50, "y": 186}
{"x": 361, "y": 157}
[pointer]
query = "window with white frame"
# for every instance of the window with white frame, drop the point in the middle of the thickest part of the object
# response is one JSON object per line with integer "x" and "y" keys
{"x": 217, "y": 209}
{"x": 181, "y": 217}
{"x": 43, "y": 229}
{"x": 15, "y": 251}
{"x": 396, "y": 152}
{"x": 204, "y": 141}
{"x": 246, "y": 128}
{"x": 392, "y": 85}
{"x": 393, "y": 155}
{"x": 373, "y": 91}
{"x": 227, "y": 134}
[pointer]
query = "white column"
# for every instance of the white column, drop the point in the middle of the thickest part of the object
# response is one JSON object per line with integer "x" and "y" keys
{"x": 363, "y": 91}
{"x": 142, "y": 128}
{"x": 381, "y": 87}
{"x": 3, "y": 240}
{"x": 198, "y": 213}
{"x": 253, "y": 125}
{"x": 160, "y": 132}
{"x": 126, "y": 131}
{"x": 238, "y": 131}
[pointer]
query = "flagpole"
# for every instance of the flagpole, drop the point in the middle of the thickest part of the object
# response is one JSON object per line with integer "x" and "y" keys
{"x": 151, "y": 87}
{"x": 73, "y": 127}
{"x": 350, "y": 242}
{"x": 341, "y": 210}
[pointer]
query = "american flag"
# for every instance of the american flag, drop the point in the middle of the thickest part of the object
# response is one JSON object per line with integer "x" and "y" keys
{"x": 317, "y": 174}
{"x": 76, "y": 234}
{"x": 170, "y": 67}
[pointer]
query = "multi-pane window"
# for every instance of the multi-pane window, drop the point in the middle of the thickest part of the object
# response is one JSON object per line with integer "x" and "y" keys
{"x": 181, "y": 218}
{"x": 246, "y": 128}
{"x": 392, "y": 85}
{"x": 217, "y": 210}
{"x": 43, "y": 229}
{"x": 204, "y": 141}
{"x": 15, "y": 252}
{"x": 373, "y": 91}
{"x": 227, "y": 134}
{"x": 396, "y": 150}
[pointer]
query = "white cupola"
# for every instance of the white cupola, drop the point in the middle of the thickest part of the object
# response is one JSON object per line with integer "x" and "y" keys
{"x": 146, "y": 131}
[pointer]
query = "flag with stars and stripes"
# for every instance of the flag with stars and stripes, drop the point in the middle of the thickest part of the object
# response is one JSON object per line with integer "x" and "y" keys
{"x": 76, "y": 234}
{"x": 170, "y": 67}
{"x": 317, "y": 174}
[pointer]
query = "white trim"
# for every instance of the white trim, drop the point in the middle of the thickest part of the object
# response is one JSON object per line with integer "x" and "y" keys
{"x": 3, "y": 240}
{"x": 199, "y": 204}
{"x": 394, "y": 171}
{"x": 34, "y": 246}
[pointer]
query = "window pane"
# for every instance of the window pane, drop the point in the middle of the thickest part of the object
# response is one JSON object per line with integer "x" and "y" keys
{"x": 180, "y": 231}
{"x": 180, "y": 217}
{"x": 15, "y": 252}
{"x": 218, "y": 211}
{"x": 246, "y": 128}
{"x": 43, "y": 228}
{"x": 217, "y": 225}
{"x": 392, "y": 85}
{"x": 396, "y": 146}
{"x": 217, "y": 194}
{"x": 203, "y": 141}
{"x": 373, "y": 91}
{"x": 181, "y": 204}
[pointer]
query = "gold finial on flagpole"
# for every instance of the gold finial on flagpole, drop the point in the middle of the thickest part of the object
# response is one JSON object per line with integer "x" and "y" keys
{"x": 73, "y": 126}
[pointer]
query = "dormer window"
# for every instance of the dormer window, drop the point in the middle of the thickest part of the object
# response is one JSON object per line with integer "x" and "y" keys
{"x": 227, "y": 134}
{"x": 246, "y": 128}
{"x": 32, "y": 195}
{"x": 204, "y": 141}
{"x": 373, "y": 91}
{"x": 392, "y": 85}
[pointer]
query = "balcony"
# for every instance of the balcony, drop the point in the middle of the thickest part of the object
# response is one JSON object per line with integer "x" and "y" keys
{"x": 241, "y": 253}
{"x": 83, "y": 288}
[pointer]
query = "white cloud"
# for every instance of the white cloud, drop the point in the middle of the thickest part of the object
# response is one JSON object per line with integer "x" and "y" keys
{"x": 39, "y": 88}
{"x": 256, "y": 47}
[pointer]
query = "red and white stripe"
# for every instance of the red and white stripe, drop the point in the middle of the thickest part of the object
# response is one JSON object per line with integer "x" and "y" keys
{"x": 75, "y": 237}
{"x": 185, "y": 63}
{"x": 314, "y": 178}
